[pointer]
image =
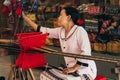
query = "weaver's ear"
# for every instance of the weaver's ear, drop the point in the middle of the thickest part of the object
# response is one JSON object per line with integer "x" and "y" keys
{"x": 69, "y": 17}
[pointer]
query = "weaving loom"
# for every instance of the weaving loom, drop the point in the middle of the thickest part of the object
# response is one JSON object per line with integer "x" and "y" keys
{"x": 26, "y": 42}
{"x": 55, "y": 52}
{"x": 26, "y": 60}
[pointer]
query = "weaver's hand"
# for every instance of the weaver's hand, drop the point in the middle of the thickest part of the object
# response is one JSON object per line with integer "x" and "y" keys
{"x": 69, "y": 70}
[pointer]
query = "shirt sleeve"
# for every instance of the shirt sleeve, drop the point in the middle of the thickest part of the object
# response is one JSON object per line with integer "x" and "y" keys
{"x": 53, "y": 32}
{"x": 84, "y": 44}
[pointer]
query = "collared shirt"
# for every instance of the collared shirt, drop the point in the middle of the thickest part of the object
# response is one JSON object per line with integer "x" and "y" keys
{"x": 76, "y": 42}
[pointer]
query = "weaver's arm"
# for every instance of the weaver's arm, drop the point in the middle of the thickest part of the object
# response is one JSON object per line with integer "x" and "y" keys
{"x": 53, "y": 32}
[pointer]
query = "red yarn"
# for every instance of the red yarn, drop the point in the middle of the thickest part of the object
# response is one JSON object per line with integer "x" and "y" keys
{"x": 26, "y": 42}
{"x": 29, "y": 40}
{"x": 30, "y": 60}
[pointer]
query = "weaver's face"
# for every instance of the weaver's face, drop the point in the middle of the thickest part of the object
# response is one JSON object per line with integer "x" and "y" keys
{"x": 63, "y": 18}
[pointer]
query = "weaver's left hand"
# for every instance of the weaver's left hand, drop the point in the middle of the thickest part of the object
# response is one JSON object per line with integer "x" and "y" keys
{"x": 69, "y": 70}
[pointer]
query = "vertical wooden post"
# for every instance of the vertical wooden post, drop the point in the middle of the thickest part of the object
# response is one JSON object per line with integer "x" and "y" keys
{"x": 31, "y": 74}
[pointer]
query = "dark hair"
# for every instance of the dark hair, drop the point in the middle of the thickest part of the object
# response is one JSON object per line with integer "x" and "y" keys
{"x": 112, "y": 21}
{"x": 73, "y": 13}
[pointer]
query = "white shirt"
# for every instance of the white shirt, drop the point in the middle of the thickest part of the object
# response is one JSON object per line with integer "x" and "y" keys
{"x": 76, "y": 42}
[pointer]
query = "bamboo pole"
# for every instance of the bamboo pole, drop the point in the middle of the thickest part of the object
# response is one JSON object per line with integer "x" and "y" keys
{"x": 55, "y": 52}
{"x": 105, "y": 59}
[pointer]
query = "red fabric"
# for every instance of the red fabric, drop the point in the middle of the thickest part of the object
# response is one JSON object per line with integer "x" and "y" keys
{"x": 30, "y": 60}
{"x": 29, "y": 40}
{"x": 26, "y": 42}
{"x": 99, "y": 77}
{"x": 19, "y": 60}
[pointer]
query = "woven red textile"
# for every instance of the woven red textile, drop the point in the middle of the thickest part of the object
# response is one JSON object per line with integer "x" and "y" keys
{"x": 26, "y": 42}
{"x": 29, "y": 40}
{"x": 31, "y": 60}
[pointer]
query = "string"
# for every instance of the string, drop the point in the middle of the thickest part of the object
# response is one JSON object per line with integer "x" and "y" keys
{"x": 16, "y": 49}
{"x": 11, "y": 13}
{"x": 43, "y": 16}
{"x": 32, "y": 6}
{"x": 19, "y": 16}
{"x": 7, "y": 47}
{"x": 28, "y": 36}
{"x": 17, "y": 23}
{"x": 21, "y": 6}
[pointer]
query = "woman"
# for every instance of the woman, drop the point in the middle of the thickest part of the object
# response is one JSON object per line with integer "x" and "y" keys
{"x": 73, "y": 39}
